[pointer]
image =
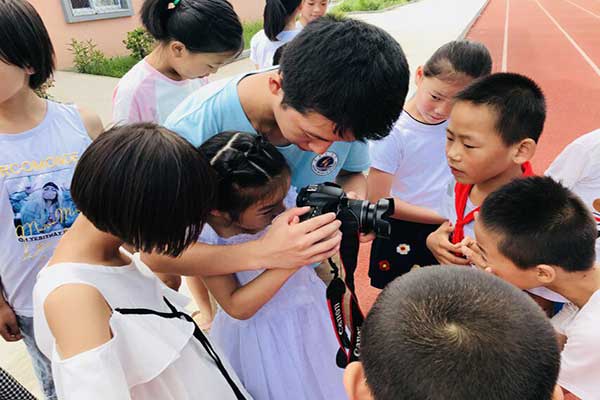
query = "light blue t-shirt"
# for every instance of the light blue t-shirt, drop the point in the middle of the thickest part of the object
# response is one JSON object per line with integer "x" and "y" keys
{"x": 216, "y": 108}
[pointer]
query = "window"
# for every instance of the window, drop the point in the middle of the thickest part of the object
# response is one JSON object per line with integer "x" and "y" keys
{"x": 87, "y": 10}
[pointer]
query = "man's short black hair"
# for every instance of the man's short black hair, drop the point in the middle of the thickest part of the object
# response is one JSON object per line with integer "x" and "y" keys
{"x": 541, "y": 222}
{"x": 518, "y": 102}
{"x": 353, "y": 73}
{"x": 24, "y": 41}
{"x": 449, "y": 332}
{"x": 145, "y": 185}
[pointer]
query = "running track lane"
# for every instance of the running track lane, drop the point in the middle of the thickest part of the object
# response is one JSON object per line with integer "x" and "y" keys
{"x": 523, "y": 36}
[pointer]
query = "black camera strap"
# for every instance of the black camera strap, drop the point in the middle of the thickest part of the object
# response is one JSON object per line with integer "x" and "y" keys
{"x": 349, "y": 347}
{"x": 198, "y": 334}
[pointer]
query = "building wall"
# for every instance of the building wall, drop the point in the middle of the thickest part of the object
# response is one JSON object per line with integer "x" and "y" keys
{"x": 108, "y": 34}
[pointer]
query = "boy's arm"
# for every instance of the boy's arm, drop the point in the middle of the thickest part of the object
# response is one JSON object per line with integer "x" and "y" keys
{"x": 380, "y": 184}
{"x": 9, "y": 329}
{"x": 286, "y": 244}
{"x": 243, "y": 302}
{"x": 355, "y": 182}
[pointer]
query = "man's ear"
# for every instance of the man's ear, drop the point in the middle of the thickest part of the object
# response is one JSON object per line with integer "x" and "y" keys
{"x": 546, "y": 274}
{"x": 356, "y": 383}
{"x": 275, "y": 82}
{"x": 524, "y": 150}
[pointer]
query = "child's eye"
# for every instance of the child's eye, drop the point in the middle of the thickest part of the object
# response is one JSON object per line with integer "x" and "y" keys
{"x": 448, "y": 138}
{"x": 434, "y": 97}
{"x": 468, "y": 146}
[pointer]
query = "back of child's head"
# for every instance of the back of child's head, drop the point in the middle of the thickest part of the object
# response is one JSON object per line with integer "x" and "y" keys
{"x": 277, "y": 14}
{"x": 458, "y": 59}
{"x": 203, "y": 26}
{"x": 278, "y": 54}
{"x": 145, "y": 185}
{"x": 539, "y": 221}
{"x": 353, "y": 73}
{"x": 249, "y": 170}
{"x": 449, "y": 332}
{"x": 24, "y": 41}
{"x": 517, "y": 101}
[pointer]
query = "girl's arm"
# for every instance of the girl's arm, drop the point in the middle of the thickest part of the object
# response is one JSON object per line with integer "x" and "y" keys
{"x": 78, "y": 317}
{"x": 379, "y": 186}
{"x": 92, "y": 122}
{"x": 243, "y": 302}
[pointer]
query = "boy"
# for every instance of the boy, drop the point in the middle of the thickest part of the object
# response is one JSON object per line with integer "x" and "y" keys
{"x": 454, "y": 333}
{"x": 493, "y": 132}
{"x": 535, "y": 232}
{"x": 340, "y": 82}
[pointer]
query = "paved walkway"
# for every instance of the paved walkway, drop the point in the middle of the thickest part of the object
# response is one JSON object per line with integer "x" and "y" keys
{"x": 420, "y": 27}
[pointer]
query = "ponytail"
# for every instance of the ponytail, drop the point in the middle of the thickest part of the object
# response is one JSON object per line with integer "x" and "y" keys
{"x": 277, "y": 14}
{"x": 208, "y": 26}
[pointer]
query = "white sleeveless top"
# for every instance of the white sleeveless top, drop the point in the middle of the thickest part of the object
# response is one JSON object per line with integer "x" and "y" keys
{"x": 149, "y": 356}
{"x": 36, "y": 167}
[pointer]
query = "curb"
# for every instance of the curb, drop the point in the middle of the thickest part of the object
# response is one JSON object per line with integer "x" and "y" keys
{"x": 390, "y": 8}
{"x": 463, "y": 34}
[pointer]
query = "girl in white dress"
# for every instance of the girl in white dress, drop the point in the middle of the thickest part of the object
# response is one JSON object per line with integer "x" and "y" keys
{"x": 273, "y": 326}
{"x": 110, "y": 327}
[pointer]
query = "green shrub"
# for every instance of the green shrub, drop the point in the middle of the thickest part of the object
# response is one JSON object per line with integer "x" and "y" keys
{"x": 365, "y": 5}
{"x": 250, "y": 29}
{"x": 85, "y": 55}
{"x": 139, "y": 42}
{"x": 42, "y": 91}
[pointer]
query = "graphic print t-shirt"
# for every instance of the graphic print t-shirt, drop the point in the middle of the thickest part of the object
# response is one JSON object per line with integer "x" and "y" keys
{"x": 36, "y": 207}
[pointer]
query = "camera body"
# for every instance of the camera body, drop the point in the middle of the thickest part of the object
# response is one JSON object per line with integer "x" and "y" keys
{"x": 329, "y": 197}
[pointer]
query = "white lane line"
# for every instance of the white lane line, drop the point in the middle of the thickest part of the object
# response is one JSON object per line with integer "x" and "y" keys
{"x": 570, "y": 39}
{"x": 584, "y": 9}
{"x": 505, "y": 44}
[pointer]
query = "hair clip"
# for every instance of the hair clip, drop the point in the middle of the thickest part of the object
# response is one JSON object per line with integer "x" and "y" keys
{"x": 173, "y": 4}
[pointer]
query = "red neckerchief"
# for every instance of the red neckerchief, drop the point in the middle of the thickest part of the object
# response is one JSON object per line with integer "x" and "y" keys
{"x": 461, "y": 196}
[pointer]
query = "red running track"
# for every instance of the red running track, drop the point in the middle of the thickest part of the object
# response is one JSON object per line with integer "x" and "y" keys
{"x": 554, "y": 42}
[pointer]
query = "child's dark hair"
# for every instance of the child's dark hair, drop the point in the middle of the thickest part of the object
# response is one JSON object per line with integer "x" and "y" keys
{"x": 278, "y": 54}
{"x": 449, "y": 332}
{"x": 518, "y": 102}
{"x": 277, "y": 14}
{"x": 145, "y": 185}
{"x": 539, "y": 221}
{"x": 353, "y": 73}
{"x": 459, "y": 57}
{"x": 207, "y": 26}
{"x": 250, "y": 169}
{"x": 24, "y": 41}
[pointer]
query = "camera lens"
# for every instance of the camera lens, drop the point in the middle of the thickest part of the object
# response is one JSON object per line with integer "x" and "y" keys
{"x": 373, "y": 217}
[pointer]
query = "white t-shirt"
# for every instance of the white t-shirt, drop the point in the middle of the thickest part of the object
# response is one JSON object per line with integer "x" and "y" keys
{"x": 145, "y": 95}
{"x": 578, "y": 168}
{"x": 149, "y": 357}
{"x": 414, "y": 153}
{"x": 262, "y": 49}
{"x": 580, "y": 358}
{"x": 36, "y": 207}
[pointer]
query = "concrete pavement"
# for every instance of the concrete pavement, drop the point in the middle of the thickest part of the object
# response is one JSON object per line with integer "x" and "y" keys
{"x": 420, "y": 27}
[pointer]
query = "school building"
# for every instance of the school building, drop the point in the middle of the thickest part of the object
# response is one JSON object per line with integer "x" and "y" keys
{"x": 106, "y": 22}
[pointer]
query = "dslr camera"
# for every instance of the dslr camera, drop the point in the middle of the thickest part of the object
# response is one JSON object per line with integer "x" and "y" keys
{"x": 329, "y": 197}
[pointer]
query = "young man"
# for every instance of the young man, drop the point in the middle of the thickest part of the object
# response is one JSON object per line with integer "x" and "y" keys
{"x": 535, "y": 232}
{"x": 340, "y": 82}
{"x": 454, "y": 333}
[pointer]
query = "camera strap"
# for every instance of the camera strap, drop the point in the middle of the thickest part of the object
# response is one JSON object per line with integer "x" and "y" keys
{"x": 349, "y": 347}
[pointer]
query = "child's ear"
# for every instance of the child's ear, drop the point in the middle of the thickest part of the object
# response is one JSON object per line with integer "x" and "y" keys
{"x": 177, "y": 48}
{"x": 546, "y": 274}
{"x": 275, "y": 84}
{"x": 355, "y": 382}
{"x": 524, "y": 150}
{"x": 419, "y": 75}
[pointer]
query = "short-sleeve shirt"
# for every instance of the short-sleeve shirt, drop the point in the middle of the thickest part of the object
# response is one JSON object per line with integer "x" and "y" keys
{"x": 578, "y": 168}
{"x": 217, "y": 108}
{"x": 262, "y": 49}
{"x": 414, "y": 153}
{"x": 146, "y": 95}
{"x": 580, "y": 358}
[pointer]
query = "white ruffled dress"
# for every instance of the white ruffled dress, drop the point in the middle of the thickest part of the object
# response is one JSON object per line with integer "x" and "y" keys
{"x": 149, "y": 357}
{"x": 287, "y": 350}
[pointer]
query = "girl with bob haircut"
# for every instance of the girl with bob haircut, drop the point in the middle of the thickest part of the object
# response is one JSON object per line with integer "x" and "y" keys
{"x": 274, "y": 325}
{"x": 110, "y": 327}
{"x": 279, "y": 28}
{"x": 32, "y": 130}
